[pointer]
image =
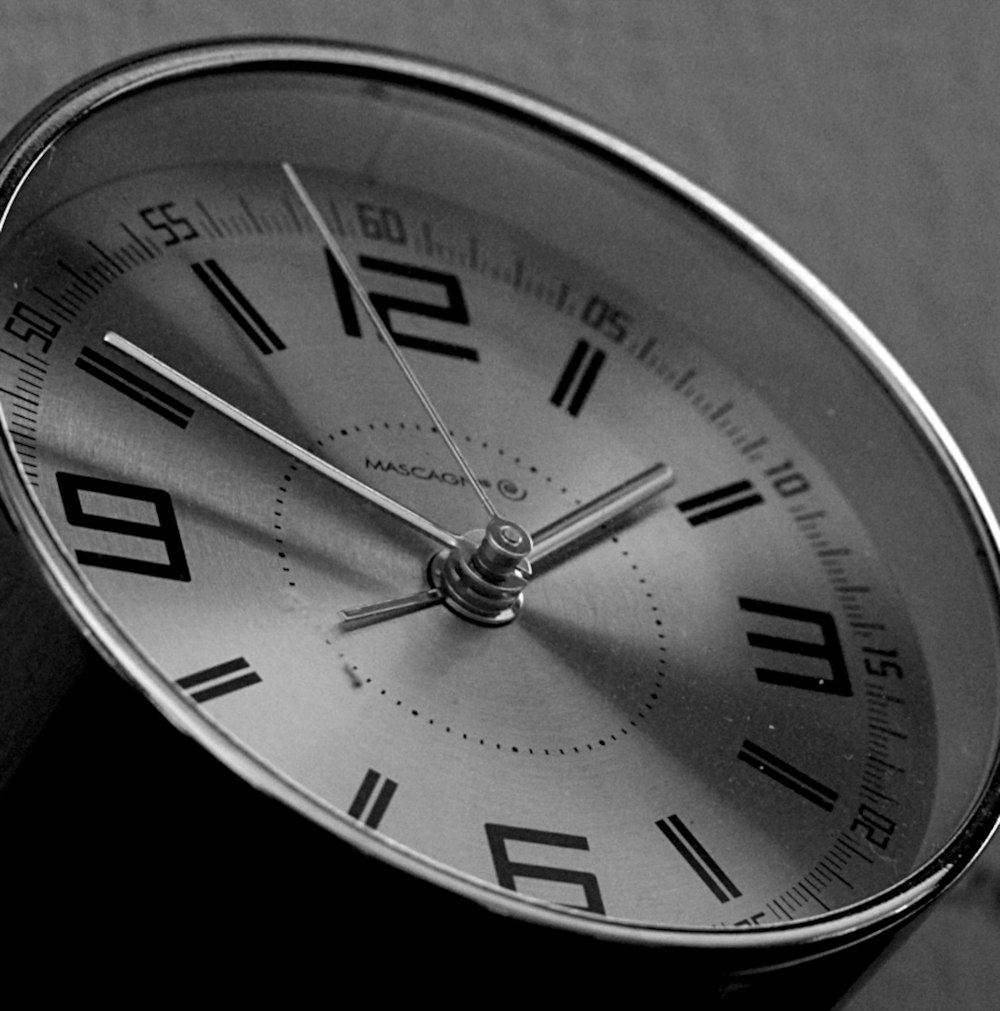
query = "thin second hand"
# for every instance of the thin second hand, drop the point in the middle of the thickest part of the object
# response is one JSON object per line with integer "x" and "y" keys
{"x": 338, "y": 254}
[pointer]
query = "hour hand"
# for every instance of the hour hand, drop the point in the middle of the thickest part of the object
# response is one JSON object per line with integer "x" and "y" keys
{"x": 574, "y": 526}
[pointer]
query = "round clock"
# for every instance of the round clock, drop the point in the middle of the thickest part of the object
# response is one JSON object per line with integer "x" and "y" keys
{"x": 538, "y": 540}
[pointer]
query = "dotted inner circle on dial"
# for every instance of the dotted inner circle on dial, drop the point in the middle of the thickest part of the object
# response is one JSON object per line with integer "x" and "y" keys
{"x": 511, "y": 491}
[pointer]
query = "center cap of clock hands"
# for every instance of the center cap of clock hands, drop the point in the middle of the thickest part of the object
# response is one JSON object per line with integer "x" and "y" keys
{"x": 483, "y": 577}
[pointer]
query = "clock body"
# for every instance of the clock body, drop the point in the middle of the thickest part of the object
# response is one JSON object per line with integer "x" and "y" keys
{"x": 747, "y": 724}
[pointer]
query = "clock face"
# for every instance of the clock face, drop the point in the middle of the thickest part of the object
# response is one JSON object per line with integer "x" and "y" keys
{"x": 765, "y": 694}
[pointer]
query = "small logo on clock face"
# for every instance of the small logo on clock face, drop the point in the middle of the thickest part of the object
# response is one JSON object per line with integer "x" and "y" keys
{"x": 509, "y": 489}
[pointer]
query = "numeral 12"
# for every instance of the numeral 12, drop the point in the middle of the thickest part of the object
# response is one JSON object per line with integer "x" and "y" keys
{"x": 454, "y": 309}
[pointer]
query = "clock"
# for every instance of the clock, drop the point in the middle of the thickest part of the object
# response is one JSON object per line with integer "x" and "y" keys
{"x": 438, "y": 515}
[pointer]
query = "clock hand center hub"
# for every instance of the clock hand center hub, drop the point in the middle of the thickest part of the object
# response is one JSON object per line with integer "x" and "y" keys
{"x": 484, "y": 575}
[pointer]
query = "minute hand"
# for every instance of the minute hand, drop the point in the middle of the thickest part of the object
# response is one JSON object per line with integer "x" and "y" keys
{"x": 269, "y": 435}
{"x": 591, "y": 515}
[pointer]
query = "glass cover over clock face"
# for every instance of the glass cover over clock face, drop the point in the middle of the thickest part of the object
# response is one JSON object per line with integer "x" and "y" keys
{"x": 765, "y": 693}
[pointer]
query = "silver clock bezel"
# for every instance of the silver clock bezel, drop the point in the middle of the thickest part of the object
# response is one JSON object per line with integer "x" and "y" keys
{"x": 27, "y": 145}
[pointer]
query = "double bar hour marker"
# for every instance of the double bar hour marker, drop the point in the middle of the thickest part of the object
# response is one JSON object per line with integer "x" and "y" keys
{"x": 719, "y": 502}
{"x": 366, "y": 793}
{"x": 787, "y": 775}
{"x": 238, "y": 306}
{"x": 134, "y": 387}
{"x": 698, "y": 858}
{"x": 578, "y": 377}
{"x": 219, "y": 680}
